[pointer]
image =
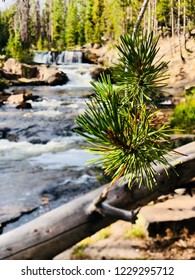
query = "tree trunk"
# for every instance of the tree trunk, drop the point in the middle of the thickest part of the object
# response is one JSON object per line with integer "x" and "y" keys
{"x": 172, "y": 26}
{"x": 179, "y": 29}
{"x": 61, "y": 228}
{"x": 139, "y": 17}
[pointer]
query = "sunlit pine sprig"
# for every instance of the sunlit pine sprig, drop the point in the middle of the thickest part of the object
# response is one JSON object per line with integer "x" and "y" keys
{"x": 137, "y": 71}
{"x": 125, "y": 137}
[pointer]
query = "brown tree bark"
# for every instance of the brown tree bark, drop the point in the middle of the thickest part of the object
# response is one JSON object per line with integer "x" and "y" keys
{"x": 61, "y": 228}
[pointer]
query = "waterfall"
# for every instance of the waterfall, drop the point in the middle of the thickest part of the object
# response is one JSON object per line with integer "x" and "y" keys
{"x": 43, "y": 57}
{"x": 68, "y": 57}
{"x": 64, "y": 57}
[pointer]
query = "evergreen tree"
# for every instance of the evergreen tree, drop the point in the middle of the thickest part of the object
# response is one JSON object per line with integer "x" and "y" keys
{"x": 97, "y": 12}
{"x": 46, "y": 34}
{"x": 111, "y": 22}
{"x": 89, "y": 26}
{"x": 81, "y": 8}
{"x": 14, "y": 47}
{"x": 58, "y": 24}
{"x": 71, "y": 34}
{"x": 163, "y": 14}
{"x": 6, "y": 22}
{"x": 124, "y": 4}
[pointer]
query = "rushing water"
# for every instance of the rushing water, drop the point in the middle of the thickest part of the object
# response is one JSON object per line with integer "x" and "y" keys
{"x": 64, "y": 57}
{"x": 42, "y": 162}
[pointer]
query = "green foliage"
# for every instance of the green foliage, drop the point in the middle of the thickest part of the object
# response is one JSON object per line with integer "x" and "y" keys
{"x": 35, "y": 22}
{"x": 163, "y": 10}
{"x": 89, "y": 26}
{"x": 120, "y": 128}
{"x": 6, "y": 19}
{"x": 81, "y": 22}
{"x": 16, "y": 50}
{"x": 71, "y": 35}
{"x": 143, "y": 77}
{"x": 92, "y": 21}
{"x": 184, "y": 116}
{"x": 58, "y": 24}
{"x": 14, "y": 46}
{"x": 112, "y": 24}
{"x": 139, "y": 229}
{"x": 97, "y": 11}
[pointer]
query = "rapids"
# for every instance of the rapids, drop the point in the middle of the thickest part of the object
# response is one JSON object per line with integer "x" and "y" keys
{"x": 42, "y": 159}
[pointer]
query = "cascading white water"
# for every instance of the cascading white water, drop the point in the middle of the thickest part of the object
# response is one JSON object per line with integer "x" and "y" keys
{"x": 64, "y": 57}
{"x": 46, "y": 155}
{"x": 70, "y": 62}
{"x": 68, "y": 57}
{"x": 43, "y": 57}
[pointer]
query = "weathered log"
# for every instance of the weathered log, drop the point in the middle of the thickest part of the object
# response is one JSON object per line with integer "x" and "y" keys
{"x": 61, "y": 228}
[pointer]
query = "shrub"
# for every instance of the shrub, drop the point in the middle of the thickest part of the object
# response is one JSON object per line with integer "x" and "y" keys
{"x": 184, "y": 116}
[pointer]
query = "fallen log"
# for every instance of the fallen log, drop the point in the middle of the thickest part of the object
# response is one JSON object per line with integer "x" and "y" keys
{"x": 61, "y": 228}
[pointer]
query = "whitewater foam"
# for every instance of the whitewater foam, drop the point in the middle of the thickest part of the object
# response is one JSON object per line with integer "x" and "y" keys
{"x": 70, "y": 158}
{"x": 23, "y": 149}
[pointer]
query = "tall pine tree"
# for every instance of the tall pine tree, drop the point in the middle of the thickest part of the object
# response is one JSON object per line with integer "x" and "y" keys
{"x": 71, "y": 34}
{"x": 58, "y": 24}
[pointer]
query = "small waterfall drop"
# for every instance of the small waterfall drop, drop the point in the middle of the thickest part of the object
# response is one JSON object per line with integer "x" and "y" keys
{"x": 59, "y": 58}
{"x": 68, "y": 57}
{"x": 43, "y": 57}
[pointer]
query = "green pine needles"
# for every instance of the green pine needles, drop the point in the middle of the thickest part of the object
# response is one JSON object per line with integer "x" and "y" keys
{"x": 143, "y": 78}
{"x": 119, "y": 125}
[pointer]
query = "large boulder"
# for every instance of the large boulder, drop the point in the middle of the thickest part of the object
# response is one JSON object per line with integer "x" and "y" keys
{"x": 52, "y": 76}
{"x": 34, "y": 74}
{"x": 90, "y": 57}
{"x": 13, "y": 66}
{"x": 97, "y": 71}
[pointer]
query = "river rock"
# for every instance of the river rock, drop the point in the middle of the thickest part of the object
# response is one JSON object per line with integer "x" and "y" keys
{"x": 97, "y": 71}
{"x": 15, "y": 98}
{"x": 24, "y": 105}
{"x": 90, "y": 57}
{"x": 3, "y": 97}
{"x": 5, "y": 133}
{"x": 20, "y": 97}
{"x": 52, "y": 76}
{"x": 13, "y": 66}
{"x": 34, "y": 74}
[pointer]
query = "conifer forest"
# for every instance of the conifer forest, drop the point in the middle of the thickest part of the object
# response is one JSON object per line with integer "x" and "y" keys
{"x": 97, "y": 128}
{"x": 65, "y": 24}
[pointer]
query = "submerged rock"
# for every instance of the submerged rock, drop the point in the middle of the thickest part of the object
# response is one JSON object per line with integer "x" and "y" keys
{"x": 20, "y": 97}
{"x": 24, "y": 105}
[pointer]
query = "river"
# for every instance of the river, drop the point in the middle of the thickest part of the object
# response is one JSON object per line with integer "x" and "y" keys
{"x": 42, "y": 159}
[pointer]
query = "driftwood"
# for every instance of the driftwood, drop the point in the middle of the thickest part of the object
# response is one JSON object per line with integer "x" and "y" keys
{"x": 61, "y": 228}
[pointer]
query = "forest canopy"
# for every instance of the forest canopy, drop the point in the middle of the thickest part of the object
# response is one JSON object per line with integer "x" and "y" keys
{"x": 65, "y": 24}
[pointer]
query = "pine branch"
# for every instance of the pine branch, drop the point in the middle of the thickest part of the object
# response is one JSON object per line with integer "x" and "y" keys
{"x": 120, "y": 127}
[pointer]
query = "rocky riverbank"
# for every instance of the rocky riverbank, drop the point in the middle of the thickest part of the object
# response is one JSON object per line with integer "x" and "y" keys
{"x": 17, "y": 73}
{"x": 181, "y": 72}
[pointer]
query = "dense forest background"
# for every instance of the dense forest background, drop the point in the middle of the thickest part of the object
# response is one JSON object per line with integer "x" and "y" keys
{"x": 65, "y": 24}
